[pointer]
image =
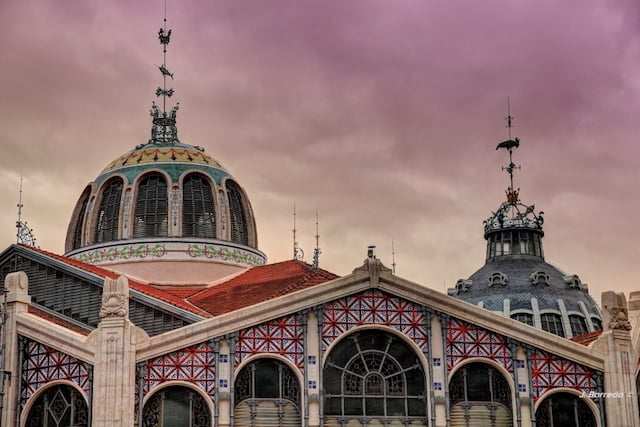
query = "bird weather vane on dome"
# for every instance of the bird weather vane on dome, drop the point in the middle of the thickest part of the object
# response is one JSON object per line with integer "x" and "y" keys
{"x": 164, "y": 129}
{"x": 509, "y": 145}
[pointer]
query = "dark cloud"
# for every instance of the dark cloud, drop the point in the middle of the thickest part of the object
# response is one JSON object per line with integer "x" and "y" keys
{"x": 382, "y": 118}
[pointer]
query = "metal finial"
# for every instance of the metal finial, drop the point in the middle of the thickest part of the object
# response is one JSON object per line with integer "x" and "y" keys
{"x": 510, "y": 144}
{"x": 298, "y": 253}
{"x": 316, "y": 251}
{"x": 24, "y": 234}
{"x": 393, "y": 257}
{"x": 164, "y": 128}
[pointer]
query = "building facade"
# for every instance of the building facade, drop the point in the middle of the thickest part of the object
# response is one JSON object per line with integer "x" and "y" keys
{"x": 163, "y": 312}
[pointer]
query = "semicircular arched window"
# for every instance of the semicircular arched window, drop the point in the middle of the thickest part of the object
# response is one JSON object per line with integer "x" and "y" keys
{"x": 238, "y": 215}
{"x": 176, "y": 406}
{"x": 59, "y": 406}
{"x": 376, "y": 376}
{"x": 198, "y": 209}
{"x": 109, "y": 212}
{"x": 266, "y": 393}
{"x": 480, "y": 392}
{"x": 151, "y": 208}
{"x": 566, "y": 410}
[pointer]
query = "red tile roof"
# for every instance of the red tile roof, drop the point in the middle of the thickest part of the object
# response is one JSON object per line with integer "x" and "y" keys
{"x": 255, "y": 285}
{"x": 260, "y": 284}
{"x": 588, "y": 338}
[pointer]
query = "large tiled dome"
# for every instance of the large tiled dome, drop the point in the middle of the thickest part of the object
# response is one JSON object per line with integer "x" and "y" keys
{"x": 163, "y": 207}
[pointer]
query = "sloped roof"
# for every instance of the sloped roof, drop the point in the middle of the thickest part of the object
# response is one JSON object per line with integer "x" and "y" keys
{"x": 588, "y": 338}
{"x": 140, "y": 287}
{"x": 255, "y": 285}
{"x": 260, "y": 284}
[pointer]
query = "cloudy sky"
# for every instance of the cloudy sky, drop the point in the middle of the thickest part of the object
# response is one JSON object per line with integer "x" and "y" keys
{"x": 382, "y": 115}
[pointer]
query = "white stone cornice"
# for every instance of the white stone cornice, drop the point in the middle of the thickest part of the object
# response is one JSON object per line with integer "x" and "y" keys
{"x": 55, "y": 336}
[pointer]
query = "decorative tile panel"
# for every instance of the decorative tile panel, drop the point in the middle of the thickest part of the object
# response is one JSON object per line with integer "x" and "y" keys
{"x": 42, "y": 364}
{"x": 374, "y": 308}
{"x": 282, "y": 336}
{"x": 195, "y": 364}
{"x": 549, "y": 371}
{"x": 465, "y": 340}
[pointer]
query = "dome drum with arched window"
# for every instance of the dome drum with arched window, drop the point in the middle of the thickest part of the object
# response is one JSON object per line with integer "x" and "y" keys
{"x": 160, "y": 206}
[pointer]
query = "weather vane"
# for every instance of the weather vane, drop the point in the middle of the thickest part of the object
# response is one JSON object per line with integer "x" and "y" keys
{"x": 24, "y": 234}
{"x": 509, "y": 145}
{"x": 164, "y": 128}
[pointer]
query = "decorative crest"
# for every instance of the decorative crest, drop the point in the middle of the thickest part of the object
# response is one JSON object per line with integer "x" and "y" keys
{"x": 164, "y": 129}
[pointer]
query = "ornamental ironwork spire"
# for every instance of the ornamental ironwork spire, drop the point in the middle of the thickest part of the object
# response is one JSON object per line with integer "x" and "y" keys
{"x": 164, "y": 130}
{"x": 509, "y": 145}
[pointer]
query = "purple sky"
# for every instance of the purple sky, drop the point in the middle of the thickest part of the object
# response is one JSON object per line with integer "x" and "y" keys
{"x": 382, "y": 115}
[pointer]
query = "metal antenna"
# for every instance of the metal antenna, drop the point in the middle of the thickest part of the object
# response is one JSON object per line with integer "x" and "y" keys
{"x": 393, "y": 257}
{"x": 19, "y": 206}
{"x": 297, "y": 251}
{"x": 316, "y": 251}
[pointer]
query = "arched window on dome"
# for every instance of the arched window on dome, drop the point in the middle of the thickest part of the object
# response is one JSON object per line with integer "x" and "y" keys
{"x": 578, "y": 325}
{"x": 78, "y": 225}
{"x": 198, "y": 208}
{"x": 552, "y": 322}
{"x": 238, "y": 215}
{"x": 109, "y": 212}
{"x": 151, "y": 208}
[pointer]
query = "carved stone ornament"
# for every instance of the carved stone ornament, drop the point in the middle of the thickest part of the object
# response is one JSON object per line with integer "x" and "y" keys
{"x": 616, "y": 313}
{"x": 115, "y": 298}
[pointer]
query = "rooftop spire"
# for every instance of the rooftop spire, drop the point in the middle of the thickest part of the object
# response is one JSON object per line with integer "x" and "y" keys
{"x": 164, "y": 128}
{"x": 509, "y": 145}
{"x": 24, "y": 234}
{"x": 297, "y": 251}
{"x": 317, "y": 251}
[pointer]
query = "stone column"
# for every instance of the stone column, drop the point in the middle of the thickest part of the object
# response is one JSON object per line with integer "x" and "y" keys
{"x": 439, "y": 382}
{"x": 17, "y": 301}
{"x": 621, "y": 400}
{"x": 115, "y": 341}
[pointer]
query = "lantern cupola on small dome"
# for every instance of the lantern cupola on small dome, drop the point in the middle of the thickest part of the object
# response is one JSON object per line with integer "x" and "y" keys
{"x": 516, "y": 281}
{"x": 164, "y": 209}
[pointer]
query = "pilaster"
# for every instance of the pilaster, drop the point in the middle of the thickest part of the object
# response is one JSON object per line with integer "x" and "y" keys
{"x": 115, "y": 341}
{"x": 17, "y": 300}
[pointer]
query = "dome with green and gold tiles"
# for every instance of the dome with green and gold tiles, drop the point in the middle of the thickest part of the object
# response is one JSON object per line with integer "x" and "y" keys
{"x": 163, "y": 207}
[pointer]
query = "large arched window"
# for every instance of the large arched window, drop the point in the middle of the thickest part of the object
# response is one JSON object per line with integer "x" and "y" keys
{"x": 238, "y": 219}
{"x": 566, "y": 410}
{"x": 176, "y": 406}
{"x": 480, "y": 393}
{"x": 267, "y": 394}
{"x": 59, "y": 406}
{"x": 79, "y": 220}
{"x": 376, "y": 376}
{"x": 578, "y": 325}
{"x": 109, "y": 212}
{"x": 198, "y": 209}
{"x": 152, "y": 206}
